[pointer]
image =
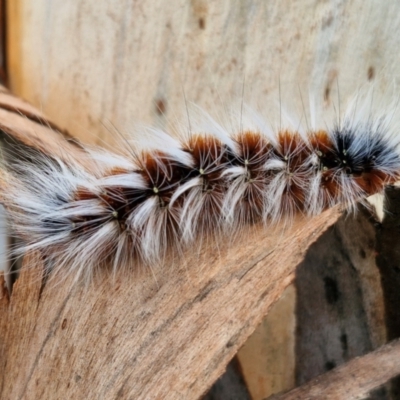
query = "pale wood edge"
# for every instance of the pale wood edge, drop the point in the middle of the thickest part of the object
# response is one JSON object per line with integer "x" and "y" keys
{"x": 353, "y": 380}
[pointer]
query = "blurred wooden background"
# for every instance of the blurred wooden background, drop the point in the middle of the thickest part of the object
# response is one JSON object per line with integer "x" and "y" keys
{"x": 91, "y": 63}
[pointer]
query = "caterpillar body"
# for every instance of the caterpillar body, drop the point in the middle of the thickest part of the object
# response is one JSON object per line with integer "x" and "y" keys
{"x": 137, "y": 204}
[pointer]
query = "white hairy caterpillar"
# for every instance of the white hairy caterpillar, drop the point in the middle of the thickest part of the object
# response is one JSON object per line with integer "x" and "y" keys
{"x": 138, "y": 203}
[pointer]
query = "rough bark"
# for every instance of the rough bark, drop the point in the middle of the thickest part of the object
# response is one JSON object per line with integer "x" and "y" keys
{"x": 142, "y": 335}
{"x": 353, "y": 380}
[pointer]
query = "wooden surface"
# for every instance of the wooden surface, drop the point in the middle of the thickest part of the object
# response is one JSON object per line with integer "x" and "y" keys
{"x": 334, "y": 311}
{"x": 339, "y": 305}
{"x": 166, "y": 335}
{"x": 163, "y": 333}
{"x": 353, "y": 380}
{"x": 90, "y": 62}
{"x": 25, "y": 124}
{"x": 268, "y": 357}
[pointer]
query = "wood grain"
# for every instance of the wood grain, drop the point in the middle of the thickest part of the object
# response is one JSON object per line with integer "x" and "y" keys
{"x": 353, "y": 380}
{"x": 268, "y": 358}
{"x": 339, "y": 308}
{"x": 168, "y": 332}
{"x": 88, "y": 62}
{"x": 162, "y": 335}
{"x": 91, "y": 62}
{"x": 27, "y": 125}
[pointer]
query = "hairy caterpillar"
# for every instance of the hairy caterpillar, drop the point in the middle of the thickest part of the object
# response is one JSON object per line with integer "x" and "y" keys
{"x": 137, "y": 204}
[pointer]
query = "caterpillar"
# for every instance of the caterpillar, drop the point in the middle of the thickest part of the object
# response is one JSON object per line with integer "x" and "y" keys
{"x": 136, "y": 204}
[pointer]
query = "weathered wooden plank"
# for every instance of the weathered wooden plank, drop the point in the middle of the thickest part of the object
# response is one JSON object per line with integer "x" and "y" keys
{"x": 90, "y": 62}
{"x": 353, "y": 380}
{"x": 167, "y": 334}
{"x": 164, "y": 332}
{"x": 340, "y": 310}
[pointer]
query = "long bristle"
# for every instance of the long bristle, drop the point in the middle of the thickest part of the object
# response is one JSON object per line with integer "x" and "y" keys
{"x": 139, "y": 205}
